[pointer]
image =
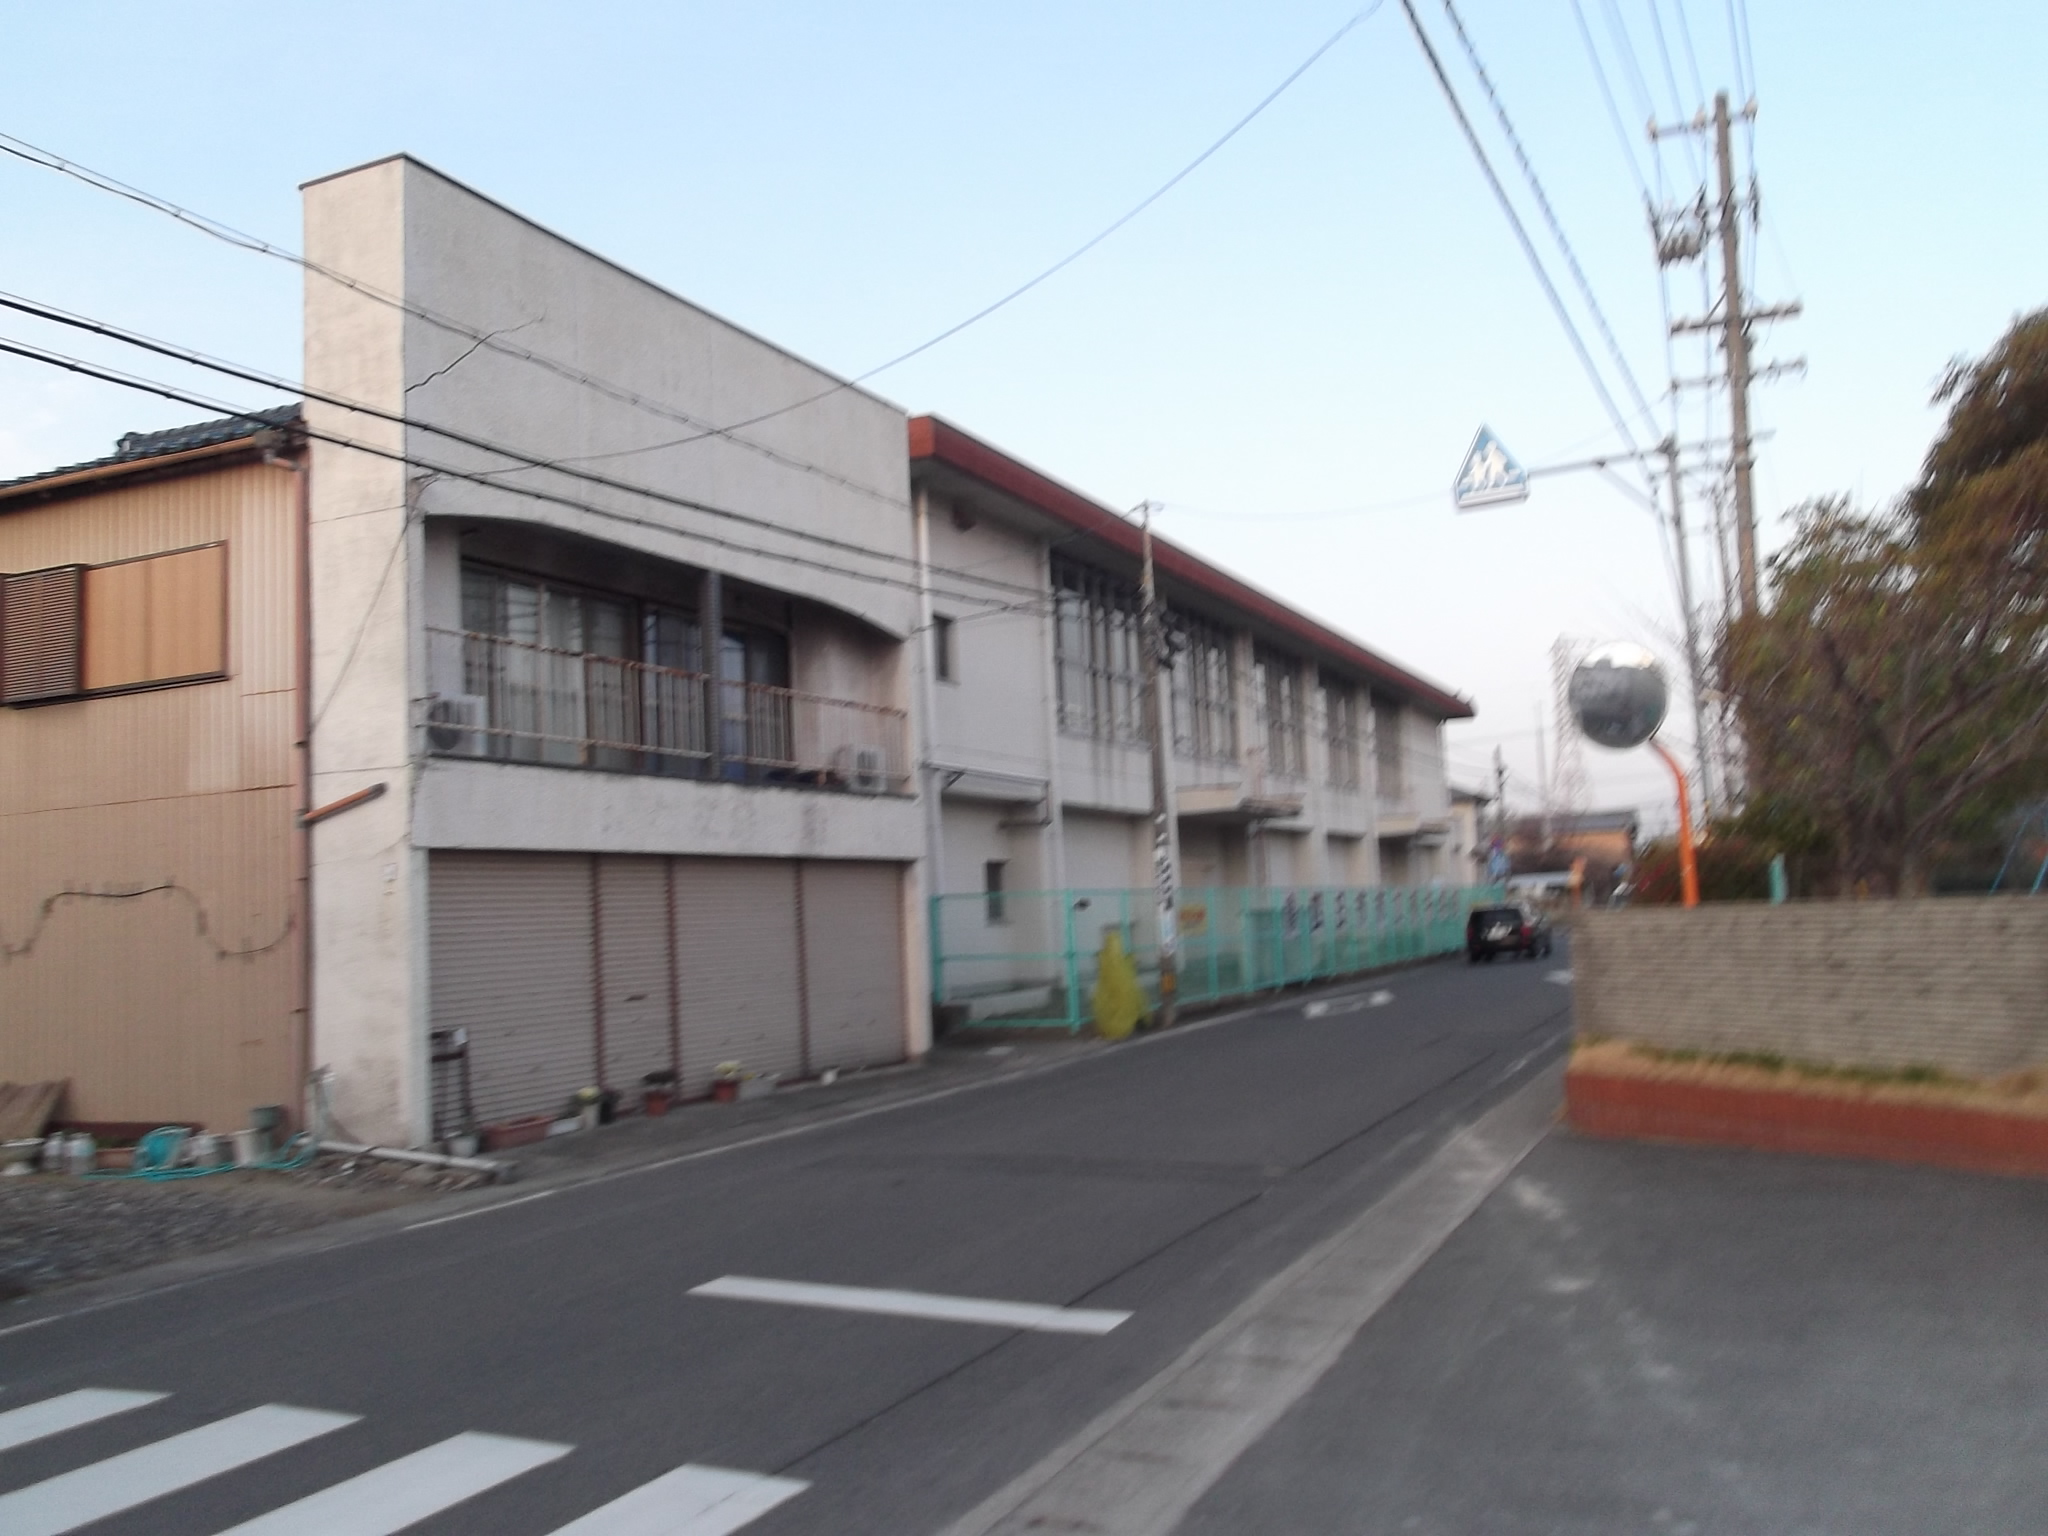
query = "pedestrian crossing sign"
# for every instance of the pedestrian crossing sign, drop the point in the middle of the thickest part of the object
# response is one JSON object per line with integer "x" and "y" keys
{"x": 1489, "y": 476}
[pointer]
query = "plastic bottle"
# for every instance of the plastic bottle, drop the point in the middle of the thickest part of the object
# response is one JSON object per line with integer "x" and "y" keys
{"x": 82, "y": 1154}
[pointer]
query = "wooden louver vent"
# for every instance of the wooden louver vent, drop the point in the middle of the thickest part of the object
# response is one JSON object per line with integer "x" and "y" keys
{"x": 39, "y": 635}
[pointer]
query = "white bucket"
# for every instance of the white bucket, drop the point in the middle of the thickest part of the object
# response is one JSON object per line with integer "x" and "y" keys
{"x": 248, "y": 1147}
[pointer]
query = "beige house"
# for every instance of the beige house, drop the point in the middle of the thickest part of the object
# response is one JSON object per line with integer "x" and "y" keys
{"x": 152, "y": 923}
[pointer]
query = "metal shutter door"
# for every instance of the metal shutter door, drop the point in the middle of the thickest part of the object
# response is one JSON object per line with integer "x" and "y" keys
{"x": 632, "y": 941}
{"x": 736, "y": 959}
{"x": 853, "y": 962}
{"x": 509, "y": 938}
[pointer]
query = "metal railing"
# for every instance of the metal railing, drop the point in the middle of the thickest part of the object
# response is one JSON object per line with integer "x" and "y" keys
{"x": 1036, "y": 966}
{"x": 508, "y": 701}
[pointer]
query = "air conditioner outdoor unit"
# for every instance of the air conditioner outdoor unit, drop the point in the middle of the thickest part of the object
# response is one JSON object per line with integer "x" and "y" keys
{"x": 453, "y": 722}
{"x": 861, "y": 769}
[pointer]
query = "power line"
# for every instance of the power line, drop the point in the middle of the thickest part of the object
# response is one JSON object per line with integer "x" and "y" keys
{"x": 24, "y": 150}
{"x": 1514, "y": 219}
{"x": 272, "y": 381}
{"x": 1621, "y": 134}
{"x": 1543, "y": 202}
{"x": 1692, "y": 57}
{"x": 447, "y": 471}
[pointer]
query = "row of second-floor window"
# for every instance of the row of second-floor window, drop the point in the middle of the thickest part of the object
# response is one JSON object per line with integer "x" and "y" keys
{"x": 1099, "y": 660}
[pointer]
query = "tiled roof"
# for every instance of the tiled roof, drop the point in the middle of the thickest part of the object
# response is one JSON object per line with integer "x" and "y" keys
{"x": 135, "y": 446}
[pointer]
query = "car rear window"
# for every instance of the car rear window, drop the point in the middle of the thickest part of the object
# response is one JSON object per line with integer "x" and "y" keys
{"x": 1499, "y": 914}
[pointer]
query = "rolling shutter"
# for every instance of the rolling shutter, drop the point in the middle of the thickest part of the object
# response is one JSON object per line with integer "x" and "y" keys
{"x": 40, "y": 615}
{"x": 736, "y": 953}
{"x": 510, "y": 961}
{"x": 853, "y": 963}
{"x": 632, "y": 917}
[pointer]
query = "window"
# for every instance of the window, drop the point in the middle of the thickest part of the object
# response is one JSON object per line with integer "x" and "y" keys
{"x": 1099, "y": 663}
{"x": 1390, "y": 754}
{"x": 1340, "y": 723}
{"x": 147, "y": 623}
{"x": 942, "y": 649}
{"x": 992, "y": 886}
{"x": 1276, "y": 680}
{"x": 1204, "y": 692}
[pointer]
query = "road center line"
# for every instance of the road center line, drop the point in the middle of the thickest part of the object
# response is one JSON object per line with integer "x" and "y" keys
{"x": 1029, "y": 1316}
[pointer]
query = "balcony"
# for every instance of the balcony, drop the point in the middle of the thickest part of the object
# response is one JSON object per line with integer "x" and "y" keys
{"x": 505, "y": 701}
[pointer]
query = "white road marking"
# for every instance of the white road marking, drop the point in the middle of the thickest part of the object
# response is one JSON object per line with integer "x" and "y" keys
{"x": 480, "y": 1210}
{"x": 54, "y": 1415}
{"x": 1331, "y": 1008}
{"x": 690, "y": 1501}
{"x": 1562, "y": 978}
{"x": 404, "y": 1492}
{"x": 90, "y": 1493}
{"x": 951, "y": 1309}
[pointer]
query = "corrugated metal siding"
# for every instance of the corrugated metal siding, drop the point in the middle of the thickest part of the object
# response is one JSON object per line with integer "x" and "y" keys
{"x": 633, "y": 937}
{"x": 853, "y": 963}
{"x": 189, "y": 788}
{"x": 510, "y": 960}
{"x": 736, "y": 952}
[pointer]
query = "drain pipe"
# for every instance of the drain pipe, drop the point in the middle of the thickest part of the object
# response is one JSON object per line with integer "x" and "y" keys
{"x": 499, "y": 1171}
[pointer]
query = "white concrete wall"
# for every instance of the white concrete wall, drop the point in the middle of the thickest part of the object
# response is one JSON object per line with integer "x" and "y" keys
{"x": 1103, "y": 853}
{"x": 835, "y": 467}
{"x": 994, "y": 714}
{"x": 368, "y": 879}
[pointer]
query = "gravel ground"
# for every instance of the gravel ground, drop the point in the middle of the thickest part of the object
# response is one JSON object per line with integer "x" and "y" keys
{"x": 56, "y": 1230}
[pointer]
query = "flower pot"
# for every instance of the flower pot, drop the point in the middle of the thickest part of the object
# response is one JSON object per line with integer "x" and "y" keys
{"x": 654, "y": 1101}
{"x": 524, "y": 1131}
{"x": 725, "y": 1090}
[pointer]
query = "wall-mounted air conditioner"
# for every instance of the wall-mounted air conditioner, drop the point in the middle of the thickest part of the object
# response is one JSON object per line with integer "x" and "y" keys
{"x": 454, "y": 722}
{"x": 860, "y": 769}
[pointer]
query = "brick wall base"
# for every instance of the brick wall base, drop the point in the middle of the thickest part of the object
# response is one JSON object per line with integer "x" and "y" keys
{"x": 1826, "y": 1125}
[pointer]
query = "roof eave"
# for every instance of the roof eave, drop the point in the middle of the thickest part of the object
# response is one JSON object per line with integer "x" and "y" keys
{"x": 935, "y": 440}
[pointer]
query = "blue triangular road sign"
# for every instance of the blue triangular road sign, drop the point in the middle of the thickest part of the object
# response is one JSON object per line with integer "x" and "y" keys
{"x": 1490, "y": 475}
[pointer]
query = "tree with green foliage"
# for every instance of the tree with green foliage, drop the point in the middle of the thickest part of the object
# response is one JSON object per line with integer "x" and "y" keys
{"x": 1893, "y": 695}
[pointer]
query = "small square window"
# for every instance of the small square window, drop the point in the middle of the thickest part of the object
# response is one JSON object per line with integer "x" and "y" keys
{"x": 992, "y": 885}
{"x": 942, "y": 649}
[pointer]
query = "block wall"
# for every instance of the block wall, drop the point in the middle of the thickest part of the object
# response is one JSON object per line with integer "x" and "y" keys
{"x": 1956, "y": 982}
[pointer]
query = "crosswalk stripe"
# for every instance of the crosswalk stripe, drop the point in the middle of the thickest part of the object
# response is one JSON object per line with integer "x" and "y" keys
{"x": 66, "y": 1502}
{"x": 690, "y": 1501}
{"x": 403, "y": 1492}
{"x": 951, "y": 1309}
{"x": 54, "y": 1415}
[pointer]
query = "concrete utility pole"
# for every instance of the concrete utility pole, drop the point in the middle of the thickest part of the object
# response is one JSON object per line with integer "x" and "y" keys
{"x": 1695, "y": 667}
{"x": 1159, "y": 735}
{"x": 1735, "y": 345}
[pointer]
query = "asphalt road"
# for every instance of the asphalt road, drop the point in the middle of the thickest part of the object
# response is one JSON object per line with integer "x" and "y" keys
{"x": 546, "y": 1357}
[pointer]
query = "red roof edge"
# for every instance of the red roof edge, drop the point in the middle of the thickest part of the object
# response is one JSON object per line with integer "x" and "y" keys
{"x": 936, "y": 440}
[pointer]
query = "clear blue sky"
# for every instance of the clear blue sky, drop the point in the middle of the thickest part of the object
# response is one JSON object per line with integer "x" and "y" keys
{"x": 1315, "y": 321}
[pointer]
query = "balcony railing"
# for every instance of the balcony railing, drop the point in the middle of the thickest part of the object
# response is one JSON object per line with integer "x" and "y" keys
{"x": 507, "y": 701}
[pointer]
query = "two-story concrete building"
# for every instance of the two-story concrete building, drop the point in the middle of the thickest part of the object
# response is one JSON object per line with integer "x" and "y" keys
{"x": 638, "y": 688}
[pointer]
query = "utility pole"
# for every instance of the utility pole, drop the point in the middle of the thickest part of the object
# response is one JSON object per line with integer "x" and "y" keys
{"x": 1159, "y": 735}
{"x": 1735, "y": 345}
{"x": 1695, "y": 668}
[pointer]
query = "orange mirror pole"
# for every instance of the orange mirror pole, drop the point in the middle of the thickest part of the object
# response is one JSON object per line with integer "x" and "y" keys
{"x": 1688, "y": 857}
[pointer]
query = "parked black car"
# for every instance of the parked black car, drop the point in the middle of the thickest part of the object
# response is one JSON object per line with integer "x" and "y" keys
{"x": 1506, "y": 930}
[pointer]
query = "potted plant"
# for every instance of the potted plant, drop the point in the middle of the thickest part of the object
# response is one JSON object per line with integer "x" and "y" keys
{"x": 657, "y": 1089}
{"x": 725, "y": 1082}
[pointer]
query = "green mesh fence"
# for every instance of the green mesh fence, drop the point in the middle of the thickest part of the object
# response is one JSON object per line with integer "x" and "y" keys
{"x": 1027, "y": 958}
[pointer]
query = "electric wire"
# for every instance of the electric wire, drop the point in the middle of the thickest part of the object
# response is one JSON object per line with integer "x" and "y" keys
{"x": 272, "y": 381}
{"x": 22, "y": 149}
{"x": 447, "y": 471}
{"x": 35, "y": 155}
{"x": 1621, "y": 134}
{"x": 1521, "y": 231}
{"x": 1550, "y": 217}
{"x": 1692, "y": 57}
